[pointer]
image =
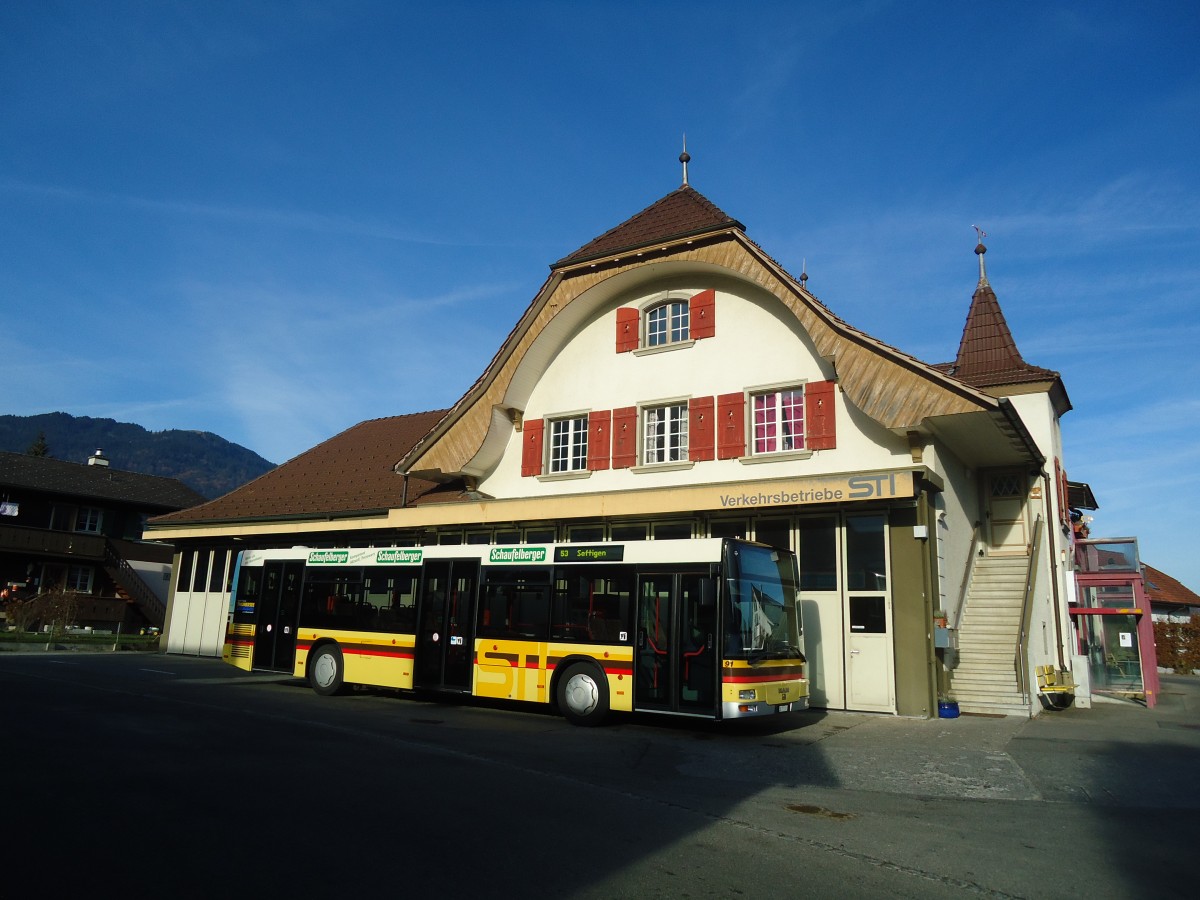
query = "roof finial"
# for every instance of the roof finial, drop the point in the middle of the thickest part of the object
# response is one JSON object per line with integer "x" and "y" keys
{"x": 685, "y": 159}
{"x": 804, "y": 274}
{"x": 979, "y": 251}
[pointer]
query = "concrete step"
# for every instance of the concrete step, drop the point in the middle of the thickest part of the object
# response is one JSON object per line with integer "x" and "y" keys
{"x": 998, "y": 694}
{"x": 984, "y": 678}
{"x": 988, "y": 708}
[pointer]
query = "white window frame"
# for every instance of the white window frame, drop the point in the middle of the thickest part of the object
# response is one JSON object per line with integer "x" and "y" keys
{"x": 676, "y": 331}
{"x": 675, "y": 324}
{"x": 754, "y": 454}
{"x": 568, "y": 444}
{"x": 771, "y": 405}
{"x": 662, "y": 437}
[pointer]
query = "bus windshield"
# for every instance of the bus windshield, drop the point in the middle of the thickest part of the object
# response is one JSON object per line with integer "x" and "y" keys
{"x": 762, "y": 615}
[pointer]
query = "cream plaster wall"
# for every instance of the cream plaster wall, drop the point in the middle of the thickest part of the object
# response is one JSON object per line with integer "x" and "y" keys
{"x": 961, "y": 504}
{"x": 758, "y": 342}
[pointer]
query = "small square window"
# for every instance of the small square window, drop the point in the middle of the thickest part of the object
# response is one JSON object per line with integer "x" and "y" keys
{"x": 79, "y": 578}
{"x": 88, "y": 519}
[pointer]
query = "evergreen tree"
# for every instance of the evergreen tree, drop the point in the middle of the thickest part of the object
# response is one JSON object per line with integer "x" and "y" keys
{"x": 39, "y": 447}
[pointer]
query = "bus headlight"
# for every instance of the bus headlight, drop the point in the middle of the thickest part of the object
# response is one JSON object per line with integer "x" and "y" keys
{"x": 751, "y": 694}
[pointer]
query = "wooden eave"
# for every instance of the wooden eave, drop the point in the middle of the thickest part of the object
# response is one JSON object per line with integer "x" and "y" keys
{"x": 893, "y": 388}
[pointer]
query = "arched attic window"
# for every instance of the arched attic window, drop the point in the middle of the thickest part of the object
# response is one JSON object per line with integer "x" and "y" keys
{"x": 667, "y": 323}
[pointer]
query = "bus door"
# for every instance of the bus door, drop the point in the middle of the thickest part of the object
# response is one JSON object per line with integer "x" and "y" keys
{"x": 446, "y": 634}
{"x": 278, "y": 615}
{"x": 675, "y": 656}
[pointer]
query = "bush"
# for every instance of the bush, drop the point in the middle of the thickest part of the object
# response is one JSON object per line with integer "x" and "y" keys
{"x": 1178, "y": 645}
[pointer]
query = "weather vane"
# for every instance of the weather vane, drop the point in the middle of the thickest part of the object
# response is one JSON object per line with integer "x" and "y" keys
{"x": 979, "y": 231}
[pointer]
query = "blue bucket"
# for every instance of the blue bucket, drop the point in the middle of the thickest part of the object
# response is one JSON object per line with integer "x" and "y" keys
{"x": 947, "y": 709}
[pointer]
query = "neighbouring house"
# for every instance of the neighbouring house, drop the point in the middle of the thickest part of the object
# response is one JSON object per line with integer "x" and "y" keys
{"x": 672, "y": 380}
{"x": 78, "y": 527}
{"x": 1170, "y": 600}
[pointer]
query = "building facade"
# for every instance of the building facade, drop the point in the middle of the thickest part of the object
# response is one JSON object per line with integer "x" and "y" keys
{"x": 78, "y": 528}
{"x": 670, "y": 379}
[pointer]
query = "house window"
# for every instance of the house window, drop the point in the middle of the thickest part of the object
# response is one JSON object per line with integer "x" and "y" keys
{"x": 778, "y": 421}
{"x": 79, "y": 578}
{"x": 665, "y": 434}
{"x": 667, "y": 323}
{"x": 88, "y": 519}
{"x": 568, "y": 444}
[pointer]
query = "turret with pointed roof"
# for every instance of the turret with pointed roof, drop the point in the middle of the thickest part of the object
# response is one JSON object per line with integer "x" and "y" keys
{"x": 988, "y": 358}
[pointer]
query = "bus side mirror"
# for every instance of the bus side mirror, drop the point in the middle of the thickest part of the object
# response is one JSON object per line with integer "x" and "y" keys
{"x": 708, "y": 593}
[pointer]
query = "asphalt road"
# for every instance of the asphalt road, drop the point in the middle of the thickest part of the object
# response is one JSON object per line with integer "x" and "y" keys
{"x": 153, "y": 774}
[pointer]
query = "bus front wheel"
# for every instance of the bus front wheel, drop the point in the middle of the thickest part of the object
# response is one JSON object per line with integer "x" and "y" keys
{"x": 326, "y": 670}
{"x": 583, "y": 695}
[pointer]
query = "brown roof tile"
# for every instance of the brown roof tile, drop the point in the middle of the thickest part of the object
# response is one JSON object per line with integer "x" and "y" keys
{"x": 682, "y": 213}
{"x": 352, "y": 472}
{"x": 1162, "y": 588}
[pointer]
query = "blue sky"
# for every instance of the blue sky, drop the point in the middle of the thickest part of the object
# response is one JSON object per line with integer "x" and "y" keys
{"x": 274, "y": 220}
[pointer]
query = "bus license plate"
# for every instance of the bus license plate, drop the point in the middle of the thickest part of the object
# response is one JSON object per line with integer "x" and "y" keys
{"x": 784, "y": 707}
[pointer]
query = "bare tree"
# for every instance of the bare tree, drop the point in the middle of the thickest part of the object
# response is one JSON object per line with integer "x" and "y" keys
{"x": 55, "y": 608}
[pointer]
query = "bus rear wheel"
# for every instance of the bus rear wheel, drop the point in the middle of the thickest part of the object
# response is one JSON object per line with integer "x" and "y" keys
{"x": 583, "y": 695}
{"x": 326, "y": 670}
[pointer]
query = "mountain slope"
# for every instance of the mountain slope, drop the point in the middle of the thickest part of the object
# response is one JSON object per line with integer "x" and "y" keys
{"x": 205, "y": 462}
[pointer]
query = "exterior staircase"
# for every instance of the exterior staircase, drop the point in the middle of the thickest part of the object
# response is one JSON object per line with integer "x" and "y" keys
{"x": 985, "y": 679}
{"x": 131, "y": 587}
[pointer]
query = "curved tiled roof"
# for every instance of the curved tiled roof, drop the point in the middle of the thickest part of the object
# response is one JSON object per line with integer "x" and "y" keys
{"x": 350, "y": 474}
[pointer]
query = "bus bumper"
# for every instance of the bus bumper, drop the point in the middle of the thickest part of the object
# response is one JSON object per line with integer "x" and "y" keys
{"x": 748, "y": 709}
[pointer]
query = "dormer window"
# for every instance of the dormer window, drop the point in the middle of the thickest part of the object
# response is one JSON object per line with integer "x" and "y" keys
{"x": 667, "y": 323}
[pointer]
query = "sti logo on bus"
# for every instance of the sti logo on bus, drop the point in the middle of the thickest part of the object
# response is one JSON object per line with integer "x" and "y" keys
{"x": 328, "y": 557}
{"x": 517, "y": 555}
{"x": 400, "y": 556}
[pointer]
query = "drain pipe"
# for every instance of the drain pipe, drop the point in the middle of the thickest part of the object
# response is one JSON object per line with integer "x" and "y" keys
{"x": 404, "y": 492}
{"x": 1062, "y": 665}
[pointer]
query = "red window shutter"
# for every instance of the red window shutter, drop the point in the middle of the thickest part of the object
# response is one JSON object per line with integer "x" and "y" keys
{"x": 820, "y": 413}
{"x": 531, "y": 450}
{"x": 702, "y": 315}
{"x": 1065, "y": 506}
{"x": 702, "y": 430}
{"x": 598, "y": 440}
{"x": 624, "y": 437}
{"x": 628, "y": 324}
{"x": 731, "y": 426}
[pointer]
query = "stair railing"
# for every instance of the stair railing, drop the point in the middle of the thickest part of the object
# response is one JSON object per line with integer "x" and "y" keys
{"x": 968, "y": 577}
{"x": 1020, "y": 660}
{"x": 127, "y": 576}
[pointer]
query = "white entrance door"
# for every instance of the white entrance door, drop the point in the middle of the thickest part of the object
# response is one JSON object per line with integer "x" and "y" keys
{"x": 869, "y": 655}
{"x": 870, "y": 669}
{"x": 1008, "y": 530}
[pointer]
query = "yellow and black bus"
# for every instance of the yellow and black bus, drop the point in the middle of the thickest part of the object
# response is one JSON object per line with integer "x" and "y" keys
{"x": 707, "y": 627}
